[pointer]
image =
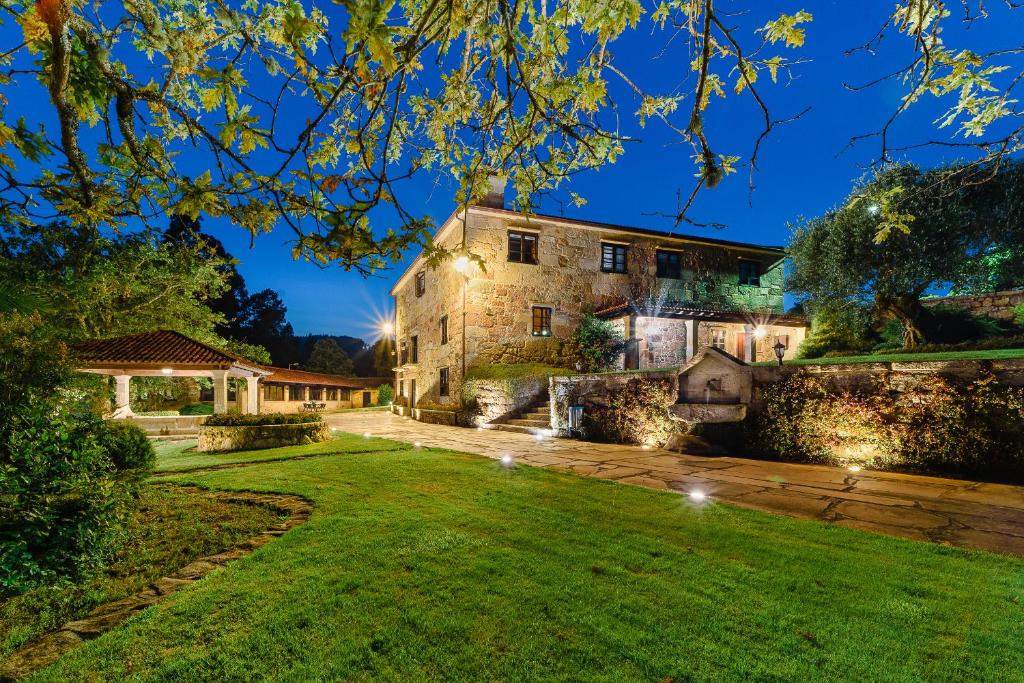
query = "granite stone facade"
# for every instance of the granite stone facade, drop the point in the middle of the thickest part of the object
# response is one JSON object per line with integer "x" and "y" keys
{"x": 497, "y": 296}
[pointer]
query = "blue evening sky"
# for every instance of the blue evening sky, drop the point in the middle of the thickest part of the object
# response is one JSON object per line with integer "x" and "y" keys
{"x": 804, "y": 169}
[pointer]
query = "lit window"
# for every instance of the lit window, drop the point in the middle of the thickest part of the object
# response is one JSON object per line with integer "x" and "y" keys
{"x": 613, "y": 258}
{"x": 541, "y": 321}
{"x": 718, "y": 338}
{"x": 750, "y": 273}
{"x": 421, "y": 283}
{"x": 273, "y": 392}
{"x": 522, "y": 247}
{"x": 442, "y": 382}
{"x": 316, "y": 394}
{"x": 670, "y": 264}
{"x": 444, "y": 329}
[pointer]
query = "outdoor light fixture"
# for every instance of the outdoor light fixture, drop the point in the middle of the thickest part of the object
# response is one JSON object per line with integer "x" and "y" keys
{"x": 387, "y": 328}
{"x": 506, "y": 460}
{"x": 366, "y": 435}
{"x": 698, "y": 496}
{"x": 539, "y": 437}
{"x": 417, "y": 445}
{"x": 166, "y": 371}
{"x": 461, "y": 264}
{"x": 780, "y": 351}
{"x": 854, "y": 468}
{"x": 874, "y": 208}
{"x": 760, "y": 332}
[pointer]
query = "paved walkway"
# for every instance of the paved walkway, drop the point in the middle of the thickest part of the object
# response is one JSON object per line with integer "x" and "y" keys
{"x": 962, "y": 513}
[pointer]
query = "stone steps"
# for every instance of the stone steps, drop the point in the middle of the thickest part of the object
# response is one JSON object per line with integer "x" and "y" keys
{"x": 534, "y": 419}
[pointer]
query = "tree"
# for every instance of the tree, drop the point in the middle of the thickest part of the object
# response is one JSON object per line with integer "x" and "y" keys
{"x": 313, "y": 119}
{"x": 901, "y": 234}
{"x": 328, "y": 357}
{"x": 264, "y": 323}
{"x": 91, "y": 286}
{"x": 384, "y": 360}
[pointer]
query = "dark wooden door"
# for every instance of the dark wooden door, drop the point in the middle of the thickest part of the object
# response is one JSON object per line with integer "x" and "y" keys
{"x": 366, "y": 399}
{"x": 412, "y": 393}
{"x": 741, "y": 345}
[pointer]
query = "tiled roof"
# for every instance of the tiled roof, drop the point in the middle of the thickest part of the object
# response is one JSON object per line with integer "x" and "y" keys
{"x": 289, "y": 376}
{"x": 163, "y": 347}
{"x": 682, "y": 310}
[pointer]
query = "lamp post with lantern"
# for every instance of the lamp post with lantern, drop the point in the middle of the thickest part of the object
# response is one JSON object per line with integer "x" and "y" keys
{"x": 780, "y": 351}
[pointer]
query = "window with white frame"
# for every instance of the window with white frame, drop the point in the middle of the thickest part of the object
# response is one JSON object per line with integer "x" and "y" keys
{"x": 718, "y": 338}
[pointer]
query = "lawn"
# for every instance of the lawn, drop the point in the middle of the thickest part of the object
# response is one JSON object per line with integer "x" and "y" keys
{"x": 181, "y": 455}
{"x": 992, "y": 354}
{"x": 170, "y": 528}
{"x": 428, "y": 565}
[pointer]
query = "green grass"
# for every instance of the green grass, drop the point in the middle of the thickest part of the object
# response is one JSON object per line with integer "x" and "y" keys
{"x": 169, "y": 529}
{"x": 181, "y": 455}
{"x": 431, "y": 565}
{"x": 993, "y": 354}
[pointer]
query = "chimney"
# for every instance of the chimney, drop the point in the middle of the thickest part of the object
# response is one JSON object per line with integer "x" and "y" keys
{"x": 495, "y": 197}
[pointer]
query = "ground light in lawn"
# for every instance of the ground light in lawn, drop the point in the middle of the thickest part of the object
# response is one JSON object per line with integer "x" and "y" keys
{"x": 417, "y": 445}
{"x": 366, "y": 435}
{"x": 698, "y": 496}
{"x": 506, "y": 460}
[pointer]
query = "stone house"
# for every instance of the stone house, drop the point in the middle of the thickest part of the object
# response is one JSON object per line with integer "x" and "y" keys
{"x": 526, "y": 281}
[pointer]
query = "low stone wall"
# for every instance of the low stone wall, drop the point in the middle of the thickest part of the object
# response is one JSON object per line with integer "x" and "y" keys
{"x": 998, "y": 305}
{"x": 260, "y": 436}
{"x": 593, "y": 390}
{"x": 496, "y": 398}
{"x": 170, "y": 425}
{"x": 897, "y": 377}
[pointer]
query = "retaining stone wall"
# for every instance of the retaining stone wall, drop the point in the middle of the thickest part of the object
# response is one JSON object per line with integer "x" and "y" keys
{"x": 998, "y": 305}
{"x": 261, "y": 436}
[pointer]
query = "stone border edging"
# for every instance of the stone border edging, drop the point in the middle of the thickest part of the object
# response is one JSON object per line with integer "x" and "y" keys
{"x": 48, "y": 648}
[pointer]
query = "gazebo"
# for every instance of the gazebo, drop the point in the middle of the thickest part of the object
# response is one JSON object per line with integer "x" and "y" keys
{"x": 166, "y": 353}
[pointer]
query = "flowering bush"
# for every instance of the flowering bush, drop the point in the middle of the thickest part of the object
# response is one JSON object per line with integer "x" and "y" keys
{"x": 936, "y": 425}
{"x": 635, "y": 412}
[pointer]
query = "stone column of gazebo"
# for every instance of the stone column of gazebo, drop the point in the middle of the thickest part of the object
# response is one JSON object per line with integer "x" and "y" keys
{"x": 168, "y": 354}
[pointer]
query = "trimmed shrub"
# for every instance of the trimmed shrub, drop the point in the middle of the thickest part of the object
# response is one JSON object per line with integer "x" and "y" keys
{"x": 128, "y": 448}
{"x": 974, "y": 429}
{"x": 239, "y": 420}
{"x": 838, "y": 331}
{"x": 196, "y": 409}
{"x": 636, "y": 413}
{"x": 385, "y": 394}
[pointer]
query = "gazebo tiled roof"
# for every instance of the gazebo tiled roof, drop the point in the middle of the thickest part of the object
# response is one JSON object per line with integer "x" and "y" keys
{"x": 684, "y": 310}
{"x": 163, "y": 347}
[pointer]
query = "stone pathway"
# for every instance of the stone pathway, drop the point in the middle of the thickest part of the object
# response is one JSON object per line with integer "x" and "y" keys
{"x": 46, "y": 649}
{"x": 962, "y": 513}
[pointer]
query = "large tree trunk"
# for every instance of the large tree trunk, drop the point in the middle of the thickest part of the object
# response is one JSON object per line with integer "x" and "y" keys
{"x": 907, "y": 309}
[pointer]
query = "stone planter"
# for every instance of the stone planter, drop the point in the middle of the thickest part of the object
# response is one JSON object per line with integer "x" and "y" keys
{"x": 437, "y": 417}
{"x": 212, "y": 439}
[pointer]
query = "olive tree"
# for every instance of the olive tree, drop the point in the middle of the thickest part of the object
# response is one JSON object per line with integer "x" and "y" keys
{"x": 904, "y": 233}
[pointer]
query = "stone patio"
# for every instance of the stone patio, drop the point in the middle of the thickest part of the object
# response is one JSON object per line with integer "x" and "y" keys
{"x": 962, "y": 513}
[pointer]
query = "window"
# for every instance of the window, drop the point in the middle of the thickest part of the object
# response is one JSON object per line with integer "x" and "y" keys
{"x": 541, "y": 321}
{"x": 401, "y": 387}
{"x": 669, "y": 264}
{"x": 442, "y": 382}
{"x": 332, "y": 394}
{"x": 296, "y": 392}
{"x": 522, "y": 247}
{"x": 718, "y": 338}
{"x": 750, "y": 273}
{"x": 316, "y": 394}
{"x": 414, "y": 352}
{"x": 421, "y": 283}
{"x": 273, "y": 392}
{"x": 613, "y": 258}
{"x": 444, "y": 329}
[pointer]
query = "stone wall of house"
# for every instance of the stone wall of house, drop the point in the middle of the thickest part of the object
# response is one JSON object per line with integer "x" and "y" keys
{"x": 568, "y": 278}
{"x": 420, "y": 316}
{"x": 500, "y": 295}
{"x": 663, "y": 342}
{"x": 998, "y": 305}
